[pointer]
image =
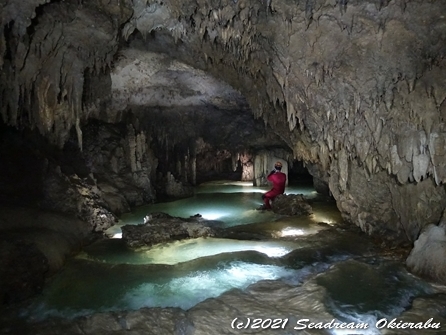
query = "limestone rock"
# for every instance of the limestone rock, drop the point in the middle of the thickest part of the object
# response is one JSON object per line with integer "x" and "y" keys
{"x": 35, "y": 244}
{"x": 23, "y": 268}
{"x": 161, "y": 227}
{"x": 428, "y": 257}
{"x": 396, "y": 212}
{"x": 177, "y": 189}
{"x": 433, "y": 306}
{"x": 291, "y": 204}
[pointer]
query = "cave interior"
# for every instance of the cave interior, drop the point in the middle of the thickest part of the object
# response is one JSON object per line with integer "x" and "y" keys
{"x": 110, "y": 105}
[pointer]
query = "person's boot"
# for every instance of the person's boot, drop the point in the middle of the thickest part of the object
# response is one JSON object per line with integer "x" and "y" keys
{"x": 263, "y": 208}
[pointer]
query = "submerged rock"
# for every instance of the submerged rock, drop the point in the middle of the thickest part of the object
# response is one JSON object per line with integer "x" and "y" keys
{"x": 161, "y": 227}
{"x": 291, "y": 204}
{"x": 415, "y": 318}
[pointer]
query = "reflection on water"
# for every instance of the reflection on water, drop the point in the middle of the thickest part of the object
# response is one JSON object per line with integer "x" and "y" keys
{"x": 360, "y": 291}
{"x": 181, "y": 251}
{"x": 232, "y": 203}
{"x": 107, "y": 288}
{"x": 348, "y": 281}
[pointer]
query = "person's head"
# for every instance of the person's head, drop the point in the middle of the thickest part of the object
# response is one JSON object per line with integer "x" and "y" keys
{"x": 278, "y": 166}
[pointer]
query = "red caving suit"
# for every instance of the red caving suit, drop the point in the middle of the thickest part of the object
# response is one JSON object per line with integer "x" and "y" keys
{"x": 279, "y": 180}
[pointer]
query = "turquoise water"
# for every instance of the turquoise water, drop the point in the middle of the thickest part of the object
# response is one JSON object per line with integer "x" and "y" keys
{"x": 355, "y": 283}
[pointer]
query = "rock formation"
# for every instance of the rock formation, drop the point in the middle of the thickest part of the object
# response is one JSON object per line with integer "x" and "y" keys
{"x": 291, "y": 204}
{"x": 428, "y": 257}
{"x": 106, "y": 99}
{"x": 162, "y": 228}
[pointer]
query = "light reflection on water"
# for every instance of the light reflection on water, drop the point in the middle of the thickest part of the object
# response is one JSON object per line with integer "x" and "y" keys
{"x": 127, "y": 279}
{"x": 107, "y": 288}
{"x": 233, "y": 203}
{"x": 182, "y": 251}
{"x": 109, "y": 276}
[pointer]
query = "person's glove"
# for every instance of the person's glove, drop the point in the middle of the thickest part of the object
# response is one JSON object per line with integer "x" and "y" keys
{"x": 273, "y": 171}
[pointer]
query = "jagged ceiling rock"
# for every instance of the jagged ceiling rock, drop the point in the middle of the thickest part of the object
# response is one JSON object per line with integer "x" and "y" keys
{"x": 45, "y": 58}
{"x": 181, "y": 104}
{"x": 147, "y": 79}
{"x": 342, "y": 73}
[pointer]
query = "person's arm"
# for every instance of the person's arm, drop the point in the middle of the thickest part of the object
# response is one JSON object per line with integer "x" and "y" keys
{"x": 270, "y": 177}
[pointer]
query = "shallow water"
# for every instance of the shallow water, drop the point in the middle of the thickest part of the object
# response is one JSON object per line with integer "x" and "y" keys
{"x": 353, "y": 284}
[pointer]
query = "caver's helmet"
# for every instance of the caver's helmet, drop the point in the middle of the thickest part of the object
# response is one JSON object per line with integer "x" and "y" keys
{"x": 278, "y": 166}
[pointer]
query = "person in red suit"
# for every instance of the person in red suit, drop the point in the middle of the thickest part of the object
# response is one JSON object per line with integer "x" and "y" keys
{"x": 278, "y": 178}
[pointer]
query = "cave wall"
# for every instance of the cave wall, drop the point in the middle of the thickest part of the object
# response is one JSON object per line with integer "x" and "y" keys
{"x": 113, "y": 173}
{"x": 264, "y": 162}
{"x": 357, "y": 88}
{"x": 48, "y": 48}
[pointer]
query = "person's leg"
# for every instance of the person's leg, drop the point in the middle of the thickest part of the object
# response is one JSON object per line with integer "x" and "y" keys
{"x": 267, "y": 197}
{"x": 266, "y": 203}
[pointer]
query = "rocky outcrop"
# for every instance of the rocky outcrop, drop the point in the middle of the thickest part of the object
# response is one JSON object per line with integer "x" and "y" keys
{"x": 113, "y": 173}
{"x": 291, "y": 204}
{"x": 320, "y": 179}
{"x": 428, "y": 257}
{"x": 121, "y": 158}
{"x": 177, "y": 189}
{"x": 23, "y": 270}
{"x": 34, "y": 244}
{"x": 384, "y": 208}
{"x": 76, "y": 196}
{"x": 161, "y": 228}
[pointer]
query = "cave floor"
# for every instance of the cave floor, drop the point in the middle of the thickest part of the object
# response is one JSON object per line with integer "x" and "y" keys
{"x": 288, "y": 268}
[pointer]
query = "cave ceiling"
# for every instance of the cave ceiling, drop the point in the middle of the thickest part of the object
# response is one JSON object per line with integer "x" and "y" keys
{"x": 145, "y": 79}
{"x": 359, "y": 81}
{"x": 355, "y": 87}
{"x": 180, "y": 103}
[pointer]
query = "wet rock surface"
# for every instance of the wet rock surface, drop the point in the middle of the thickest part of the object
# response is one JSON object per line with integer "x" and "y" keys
{"x": 428, "y": 257}
{"x": 161, "y": 227}
{"x": 35, "y": 244}
{"x": 433, "y": 306}
{"x": 286, "y": 303}
{"x": 310, "y": 295}
{"x": 291, "y": 204}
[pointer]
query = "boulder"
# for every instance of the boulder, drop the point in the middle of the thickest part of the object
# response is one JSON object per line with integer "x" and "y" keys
{"x": 161, "y": 228}
{"x": 428, "y": 257}
{"x": 291, "y": 204}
